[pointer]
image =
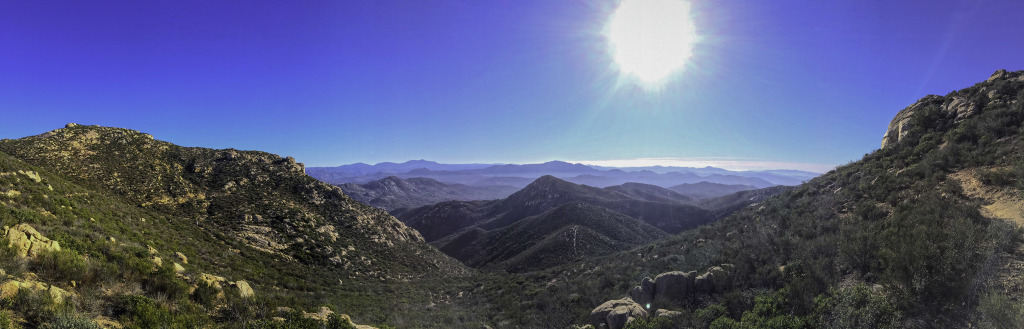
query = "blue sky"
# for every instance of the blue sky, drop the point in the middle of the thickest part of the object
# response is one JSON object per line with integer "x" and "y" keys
{"x": 335, "y": 82}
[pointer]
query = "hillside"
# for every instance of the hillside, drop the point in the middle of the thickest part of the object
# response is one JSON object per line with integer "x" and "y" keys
{"x": 561, "y": 235}
{"x": 547, "y": 193}
{"x": 649, "y": 192}
{"x": 108, "y": 195}
{"x": 707, "y": 190}
{"x": 394, "y": 193}
{"x": 919, "y": 234}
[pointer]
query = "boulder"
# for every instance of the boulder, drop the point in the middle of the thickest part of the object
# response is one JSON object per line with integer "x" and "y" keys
{"x": 644, "y": 293}
{"x": 244, "y": 289}
{"x": 614, "y": 314}
{"x": 663, "y": 313}
{"x": 321, "y": 315}
{"x": 181, "y": 257}
{"x": 27, "y": 241}
{"x": 674, "y": 286}
{"x": 714, "y": 280}
{"x": 10, "y": 288}
{"x": 158, "y": 262}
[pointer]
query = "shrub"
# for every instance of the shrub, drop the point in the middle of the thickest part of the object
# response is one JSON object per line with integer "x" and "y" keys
{"x": 205, "y": 294}
{"x": 165, "y": 282}
{"x": 69, "y": 321}
{"x": 998, "y": 311}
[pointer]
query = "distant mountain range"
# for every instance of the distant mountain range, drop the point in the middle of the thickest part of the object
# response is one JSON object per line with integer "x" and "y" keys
{"x": 393, "y": 193}
{"x": 519, "y": 175}
{"x": 552, "y": 221}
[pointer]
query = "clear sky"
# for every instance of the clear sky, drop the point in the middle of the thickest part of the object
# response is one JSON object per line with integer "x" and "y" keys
{"x": 336, "y": 82}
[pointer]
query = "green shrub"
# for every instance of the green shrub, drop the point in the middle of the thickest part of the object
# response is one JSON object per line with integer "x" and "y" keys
{"x": 999, "y": 312}
{"x": 165, "y": 282}
{"x": 69, "y": 321}
{"x": 205, "y": 294}
{"x": 856, "y": 307}
{"x": 6, "y": 321}
{"x": 64, "y": 265}
{"x": 651, "y": 323}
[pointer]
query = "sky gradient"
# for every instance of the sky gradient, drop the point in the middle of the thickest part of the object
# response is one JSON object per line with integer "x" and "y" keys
{"x": 337, "y": 82}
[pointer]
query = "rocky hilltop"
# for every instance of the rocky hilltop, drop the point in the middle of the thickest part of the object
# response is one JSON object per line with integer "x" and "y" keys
{"x": 112, "y": 198}
{"x": 959, "y": 105}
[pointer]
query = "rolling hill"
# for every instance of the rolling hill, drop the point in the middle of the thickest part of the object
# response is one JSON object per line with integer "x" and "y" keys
{"x": 108, "y": 195}
{"x": 393, "y": 193}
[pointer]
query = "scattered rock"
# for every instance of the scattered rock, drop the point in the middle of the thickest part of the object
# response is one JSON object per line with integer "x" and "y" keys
{"x": 614, "y": 314}
{"x": 159, "y": 262}
{"x": 112, "y": 240}
{"x": 178, "y": 268}
{"x": 152, "y": 251}
{"x": 27, "y": 241}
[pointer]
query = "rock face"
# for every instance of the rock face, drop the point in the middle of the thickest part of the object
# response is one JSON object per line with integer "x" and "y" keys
{"x": 28, "y": 242}
{"x": 957, "y": 105}
{"x": 614, "y": 314}
{"x": 675, "y": 285}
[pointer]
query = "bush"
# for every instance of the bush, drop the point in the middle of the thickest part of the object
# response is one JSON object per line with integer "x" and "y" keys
{"x": 69, "y": 321}
{"x": 998, "y": 311}
{"x": 64, "y": 265}
{"x": 856, "y": 307}
{"x": 205, "y": 294}
{"x": 165, "y": 282}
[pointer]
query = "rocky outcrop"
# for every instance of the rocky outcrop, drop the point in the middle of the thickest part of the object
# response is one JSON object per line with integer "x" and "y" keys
{"x": 644, "y": 293}
{"x": 716, "y": 279}
{"x": 10, "y": 288}
{"x": 666, "y": 288}
{"x": 674, "y": 285}
{"x": 614, "y": 314}
{"x": 958, "y": 105}
{"x": 28, "y": 242}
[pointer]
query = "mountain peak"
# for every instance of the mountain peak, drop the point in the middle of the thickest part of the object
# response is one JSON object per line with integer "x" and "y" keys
{"x": 954, "y": 107}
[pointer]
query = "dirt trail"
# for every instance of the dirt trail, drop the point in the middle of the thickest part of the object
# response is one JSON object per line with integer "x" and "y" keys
{"x": 1005, "y": 271}
{"x": 998, "y": 202}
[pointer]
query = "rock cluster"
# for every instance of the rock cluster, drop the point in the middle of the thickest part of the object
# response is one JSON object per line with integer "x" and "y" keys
{"x": 10, "y": 288}
{"x": 614, "y": 314}
{"x": 668, "y": 287}
{"x": 27, "y": 241}
{"x": 218, "y": 282}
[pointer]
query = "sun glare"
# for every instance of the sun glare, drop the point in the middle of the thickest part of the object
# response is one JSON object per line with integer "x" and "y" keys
{"x": 651, "y": 39}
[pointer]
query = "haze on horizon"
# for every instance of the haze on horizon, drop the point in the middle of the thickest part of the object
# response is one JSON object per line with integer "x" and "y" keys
{"x": 794, "y": 83}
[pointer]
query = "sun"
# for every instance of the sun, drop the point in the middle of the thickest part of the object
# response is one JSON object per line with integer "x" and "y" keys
{"x": 651, "y": 39}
